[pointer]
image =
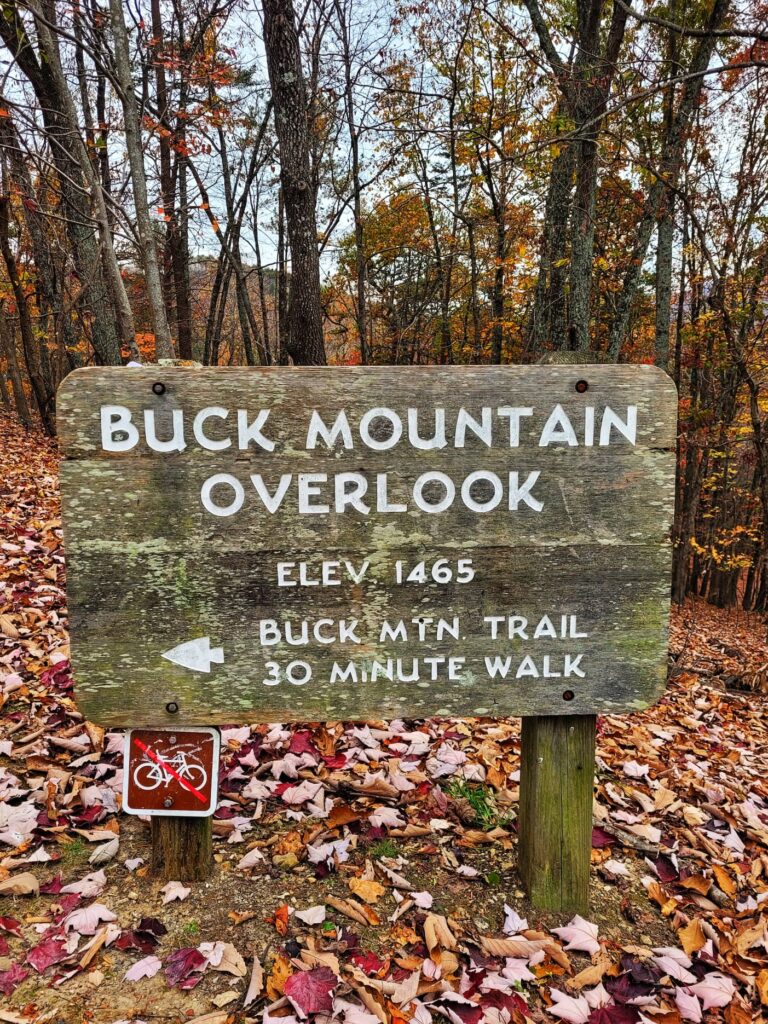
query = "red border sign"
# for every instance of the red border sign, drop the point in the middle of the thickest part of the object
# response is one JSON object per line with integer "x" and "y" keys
{"x": 172, "y": 772}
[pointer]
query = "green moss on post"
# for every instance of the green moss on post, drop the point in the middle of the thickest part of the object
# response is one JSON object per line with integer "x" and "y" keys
{"x": 555, "y": 820}
{"x": 182, "y": 848}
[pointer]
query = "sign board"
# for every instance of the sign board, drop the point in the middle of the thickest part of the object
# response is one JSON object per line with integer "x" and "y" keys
{"x": 349, "y": 543}
{"x": 172, "y": 772}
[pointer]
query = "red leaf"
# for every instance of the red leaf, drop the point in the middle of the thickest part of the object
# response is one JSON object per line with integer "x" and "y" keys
{"x": 49, "y": 952}
{"x": 181, "y": 964}
{"x": 10, "y": 925}
{"x": 11, "y": 978}
{"x": 312, "y": 991}
{"x": 601, "y": 838}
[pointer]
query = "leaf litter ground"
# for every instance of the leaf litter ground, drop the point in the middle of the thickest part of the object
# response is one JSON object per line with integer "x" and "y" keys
{"x": 366, "y": 873}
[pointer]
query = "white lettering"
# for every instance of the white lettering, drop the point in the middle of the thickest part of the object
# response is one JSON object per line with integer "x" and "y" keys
{"x": 116, "y": 419}
{"x": 247, "y": 432}
{"x": 199, "y": 422}
{"x": 176, "y": 443}
{"x": 518, "y": 493}
{"x": 514, "y": 412}
{"x": 558, "y": 429}
{"x": 227, "y": 480}
{"x": 440, "y": 506}
{"x": 627, "y": 429}
{"x": 318, "y": 429}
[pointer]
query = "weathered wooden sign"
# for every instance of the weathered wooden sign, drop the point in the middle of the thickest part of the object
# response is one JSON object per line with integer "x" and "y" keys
{"x": 326, "y": 543}
{"x": 171, "y": 772}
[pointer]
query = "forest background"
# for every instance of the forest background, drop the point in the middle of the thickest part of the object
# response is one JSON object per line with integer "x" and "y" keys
{"x": 449, "y": 181}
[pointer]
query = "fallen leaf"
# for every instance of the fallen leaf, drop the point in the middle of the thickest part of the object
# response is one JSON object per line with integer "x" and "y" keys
{"x": 311, "y": 991}
{"x": 367, "y": 890}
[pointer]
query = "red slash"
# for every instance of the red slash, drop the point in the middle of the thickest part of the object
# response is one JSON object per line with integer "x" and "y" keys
{"x": 166, "y": 767}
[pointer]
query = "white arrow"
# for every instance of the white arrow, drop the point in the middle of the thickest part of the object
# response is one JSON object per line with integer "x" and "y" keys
{"x": 196, "y": 654}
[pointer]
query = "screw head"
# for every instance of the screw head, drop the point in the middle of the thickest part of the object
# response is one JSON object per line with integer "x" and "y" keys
{"x": 569, "y": 695}
{"x": 168, "y": 802}
{"x": 158, "y": 387}
{"x": 582, "y": 386}
{"x": 172, "y": 707}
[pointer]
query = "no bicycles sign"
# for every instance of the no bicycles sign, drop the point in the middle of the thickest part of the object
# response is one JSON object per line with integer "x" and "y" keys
{"x": 171, "y": 772}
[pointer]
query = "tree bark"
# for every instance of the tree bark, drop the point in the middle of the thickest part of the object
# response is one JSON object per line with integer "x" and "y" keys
{"x": 305, "y": 340}
{"x": 8, "y": 349}
{"x": 152, "y": 280}
{"x": 75, "y": 171}
{"x": 668, "y": 173}
{"x": 42, "y": 387}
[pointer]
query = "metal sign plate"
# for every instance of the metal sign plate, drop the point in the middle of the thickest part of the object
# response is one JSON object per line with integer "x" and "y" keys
{"x": 173, "y": 772}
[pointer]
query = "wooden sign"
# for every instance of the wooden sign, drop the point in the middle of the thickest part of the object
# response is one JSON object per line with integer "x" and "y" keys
{"x": 346, "y": 543}
{"x": 171, "y": 772}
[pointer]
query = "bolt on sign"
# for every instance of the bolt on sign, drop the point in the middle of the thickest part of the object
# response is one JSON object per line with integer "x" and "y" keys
{"x": 358, "y": 542}
{"x": 170, "y": 772}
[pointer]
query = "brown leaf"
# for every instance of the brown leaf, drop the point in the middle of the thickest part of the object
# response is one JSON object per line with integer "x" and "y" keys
{"x": 438, "y": 935}
{"x": 366, "y": 890}
{"x": 281, "y": 971}
{"x": 591, "y": 975}
{"x": 7, "y": 627}
{"x": 697, "y": 883}
{"x": 692, "y": 937}
{"x": 724, "y": 879}
{"x": 348, "y": 908}
{"x": 24, "y": 884}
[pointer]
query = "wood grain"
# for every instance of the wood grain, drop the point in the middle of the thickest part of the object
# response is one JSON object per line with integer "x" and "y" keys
{"x": 557, "y": 770}
{"x": 149, "y": 568}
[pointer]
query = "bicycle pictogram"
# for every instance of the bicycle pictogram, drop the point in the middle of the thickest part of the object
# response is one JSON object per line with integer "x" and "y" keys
{"x": 149, "y": 775}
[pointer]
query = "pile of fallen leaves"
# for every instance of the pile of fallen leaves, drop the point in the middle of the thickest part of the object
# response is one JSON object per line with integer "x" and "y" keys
{"x": 366, "y": 873}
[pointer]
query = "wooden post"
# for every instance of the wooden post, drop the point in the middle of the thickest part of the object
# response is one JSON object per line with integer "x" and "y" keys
{"x": 555, "y": 817}
{"x": 557, "y": 768}
{"x": 182, "y": 848}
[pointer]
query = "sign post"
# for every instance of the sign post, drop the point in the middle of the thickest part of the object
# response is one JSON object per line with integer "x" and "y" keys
{"x": 271, "y": 544}
{"x": 172, "y": 775}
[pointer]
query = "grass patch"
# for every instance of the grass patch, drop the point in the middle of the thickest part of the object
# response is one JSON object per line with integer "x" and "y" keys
{"x": 384, "y": 848}
{"x": 482, "y": 800}
{"x": 72, "y": 853}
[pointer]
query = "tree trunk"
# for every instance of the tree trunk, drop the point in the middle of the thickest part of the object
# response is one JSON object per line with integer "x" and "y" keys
{"x": 72, "y": 163}
{"x": 666, "y": 230}
{"x": 42, "y": 388}
{"x": 668, "y": 173}
{"x": 152, "y": 280}
{"x": 305, "y": 341}
{"x": 8, "y": 350}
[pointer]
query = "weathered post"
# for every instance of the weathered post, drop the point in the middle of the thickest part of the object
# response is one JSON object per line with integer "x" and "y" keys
{"x": 557, "y": 765}
{"x": 555, "y": 816}
{"x": 182, "y": 848}
{"x": 172, "y": 775}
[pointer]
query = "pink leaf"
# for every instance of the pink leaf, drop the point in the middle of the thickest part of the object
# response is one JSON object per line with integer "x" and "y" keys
{"x": 181, "y": 964}
{"x": 688, "y": 1005}
{"x": 174, "y": 891}
{"x": 12, "y": 978}
{"x": 89, "y": 887}
{"x": 146, "y": 968}
{"x": 574, "y": 1011}
{"x": 715, "y": 990}
{"x": 50, "y": 951}
{"x": 579, "y": 934}
{"x": 86, "y": 920}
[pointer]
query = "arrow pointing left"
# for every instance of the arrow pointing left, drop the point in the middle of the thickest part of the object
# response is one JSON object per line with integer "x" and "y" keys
{"x": 196, "y": 654}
